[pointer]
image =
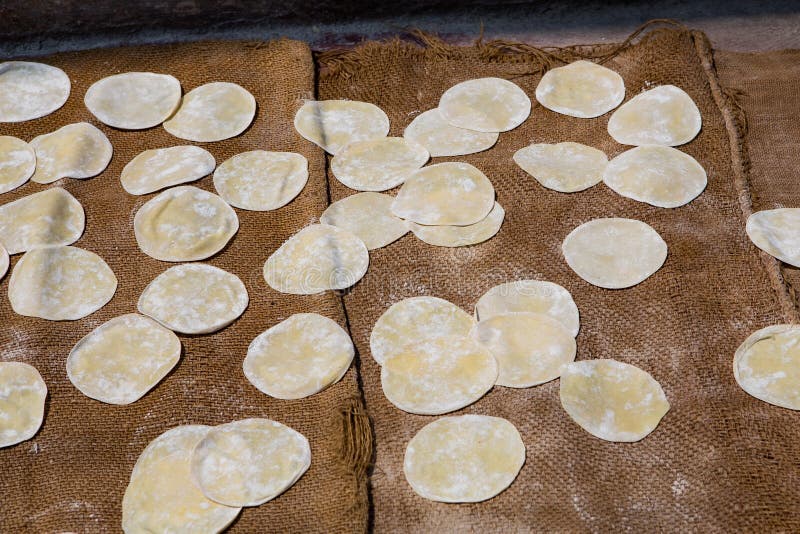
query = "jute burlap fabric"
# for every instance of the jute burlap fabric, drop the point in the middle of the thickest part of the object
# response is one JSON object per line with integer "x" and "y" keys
{"x": 720, "y": 460}
{"x": 72, "y": 474}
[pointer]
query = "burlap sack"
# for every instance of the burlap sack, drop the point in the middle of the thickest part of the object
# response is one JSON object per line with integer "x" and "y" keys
{"x": 720, "y": 460}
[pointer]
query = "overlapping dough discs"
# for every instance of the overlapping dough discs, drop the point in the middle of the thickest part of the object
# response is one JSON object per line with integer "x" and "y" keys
{"x": 581, "y": 89}
{"x": 317, "y": 258}
{"x": 612, "y": 400}
{"x": 31, "y": 90}
{"x": 177, "y": 440}
{"x": 465, "y": 458}
{"x": 767, "y": 365}
{"x": 22, "y": 396}
{"x": 485, "y": 105}
{"x": 451, "y": 193}
{"x": 416, "y": 319}
{"x": 77, "y": 150}
{"x": 60, "y": 283}
{"x": 22, "y": 226}
{"x": 614, "y": 253}
{"x": 17, "y": 162}
{"x": 333, "y": 124}
{"x": 249, "y": 462}
{"x": 461, "y": 236}
{"x": 261, "y": 180}
{"x": 378, "y": 164}
{"x": 122, "y": 359}
{"x": 658, "y": 175}
{"x": 133, "y": 100}
{"x": 299, "y": 356}
{"x": 184, "y": 224}
{"x": 566, "y": 167}
{"x": 664, "y": 115}
{"x": 213, "y": 112}
{"x": 368, "y": 216}
{"x": 194, "y": 298}
{"x": 441, "y": 138}
{"x": 153, "y": 170}
{"x": 4, "y": 261}
{"x": 776, "y": 232}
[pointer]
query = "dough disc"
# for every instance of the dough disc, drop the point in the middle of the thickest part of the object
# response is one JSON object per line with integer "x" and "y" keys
{"x": 378, "y": 164}
{"x": 440, "y": 138}
{"x": 74, "y": 151}
{"x": 581, "y": 89}
{"x": 767, "y": 365}
{"x": 261, "y": 180}
{"x": 22, "y": 226}
{"x": 565, "y": 167}
{"x": 213, "y": 112}
{"x": 17, "y": 162}
{"x": 156, "y": 169}
{"x": 368, "y": 216}
{"x": 485, "y": 105}
{"x": 612, "y": 400}
{"x": 4, "y": 261}
{"x": 332, "y": 124}
{"x": 22, "y": 396}
{"x": 462, "y": 236}
{"x": 31, "y": 90}
{"x": 665, "y": 115}
{"x": 133, "y": 100}
{"x": 177, "y": 440}
{"x": 776, "y": 232}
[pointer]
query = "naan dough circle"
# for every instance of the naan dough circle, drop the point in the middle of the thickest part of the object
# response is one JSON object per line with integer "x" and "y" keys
{"x": 767, "y": 365}
{"x": 581, "y": 89}
{"x": 177, "y": 440}
{"x": 134, "y": 100}
{"x": 661, "y": 176}
{"x": 333, "y": 124}
{"x": 184, "y": 223}
{"x": 249, "y": 462}
{"x": 77, "y": 150}
{"x": 465, "y": 458}
{"x": 416, "y": 319}
{"x": 378, "y": 164}
{"x": 485, "y": 105}
{"x": 564, "y": 167}
{"x": 612, "y": 400}
{"x": 440, "y": 138}
{"x": 122, "y": 359}
{"x": 461, "y": 236}
{"x": 213, "y": 112}
{"x": 22, "y": 396}
{"x": 451, "y": 193}
{"x": 4, "y": 261}
{"x": 194, "y": 298}
{"x": 315, "y": 259}
{"x": 60, "y": 283}
{"x": 17, "y": 162}
{"x": 31, "y": 90}
{"x": 23, "y": 228}
{"x": 776, "y": 232}
{"x": 665, "y": 115}
{"x": 156, "y": 169}
{"x": 368, "y": 216}
{"x": 614, "y": 253}
{"x": 261, "y": 180}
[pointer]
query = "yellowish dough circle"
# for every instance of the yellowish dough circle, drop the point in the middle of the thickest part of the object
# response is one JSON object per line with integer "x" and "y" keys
{"x": 17, "y": 162}
{"x": 368, "y": 216}
{"x": 177, "y": 440}
{"x": 22, "y": 396}
{"x": 485, "y": 105}
{"x": 767, "y": 365}
{"x": 156, "y": 169}
{"x": 440, "y": 138}
{"x": 461, "y": 236}
{"x": 134, "y": 100}
{"x": 4, "y": 261}
{"x": 23, "y": 228}
{"x": 776, "y": 232}
{"x": 581, "y": 89}
{"x": 77, "y": 150}
{"x": 261, "y": 180}
{"x": 378, "y": 164}
{"x": 566, "y": 167}
{"x": 31, "y": 90}
{"x": 334, "y": 124}
{"x": 664, "y": 115}
{"x": 213, "y": 112}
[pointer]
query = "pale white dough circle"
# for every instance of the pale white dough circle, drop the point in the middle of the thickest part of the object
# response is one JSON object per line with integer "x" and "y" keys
{"x": 213, "y": 112}
{"x": 194, "y": 298}
{"x": 177, "y": 440}
{"x": 461, "y": 236}
{"x": 465, "y": 458}
{"x": 581, "y": 89}
{"x": 261, "y": 180}
{"x": 378, "y": 164}
{"x": 776, "y": 232}
{"x": 156, "y": 169}
{"x": 440, "y": 138}
{"x": 22, "y": 226}
{"x": 31, "y": 90}
{"x": 485, "y": 105}
{"x": 664, "y": 115}
{"x": 17, "y": 162}
{"x": 368, "y": 216}
{"x": 77, "y": 150}
{"x": 566, "y": 167}
{"x": 4, "y": 261}
{"x": 133, "y": 100}
{"x": 333, "y": 124}
{"x": 767, "y": 365}
{"x": 614, "y": 253}
{"x": 22, "y": 396}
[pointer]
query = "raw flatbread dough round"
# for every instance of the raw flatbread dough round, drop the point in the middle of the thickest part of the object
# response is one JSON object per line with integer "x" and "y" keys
{"x": 177, "y": 440}
{"x": 581, "y": 89}
{"x": 194, "y": 298}
{"x": 184, "y": 224}
{"x": 153, "y": 170}
{"x": 368, "y": 216}
{"x": 776, "y": 232}
{"x": 767, "y": 365}
{"x": 213, "y": 112}
{"x": 461, "y": 236}
{"x": 465, "y": 458}
{"x": 450, "y": 193}
{"x": 535, "y": 296}
{"x": 73, "y": 151}
{"x": 60, "y": 283}
{"x": 612, "y": 400}
{"x": 333, "y": 124}
{"x": 485, "y": 105}
{"x": 31, "y": 90}
{"x": 416, "y": 319}
{"x": 22, "y": 396}
{"x": 134, "y": 100}
{"x": 665, "y": 115}
{"x": 378, "y": 164}
{"x": 4, "y": 261}
{"x": 17, "y": 162}
{"x": 122, "y": 359}
{"x": 661, "y": 176}
{"x": 22, "y": 226}
{"x": 315, "y": 259}
{"x": 530, "y": 348}
{"x": 565, "y": 167}
{"x": 261, "y": 180}
{"x": 440, "y": 138}
{"x": 614, "y": 253}
{"x": 249, "y": 462}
